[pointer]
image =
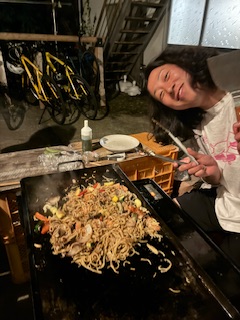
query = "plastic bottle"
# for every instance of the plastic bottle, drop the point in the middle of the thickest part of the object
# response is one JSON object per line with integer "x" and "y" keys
{"x": 124, "y": 84}
{"x": 134, "y": 90}
{"x": 86, "y": 137}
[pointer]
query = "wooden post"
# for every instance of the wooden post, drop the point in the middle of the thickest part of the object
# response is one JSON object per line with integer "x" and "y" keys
{"x": 99, "y": 55}
{"x": 3, "y": 77}
{"x": 39, "y": 63}
{"x": 8, "y": 237}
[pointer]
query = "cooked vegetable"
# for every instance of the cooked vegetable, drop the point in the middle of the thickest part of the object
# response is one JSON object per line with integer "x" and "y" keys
{"x": 43, "y": 223}
{"x": 138, "y": 203}
{"x": 40, "y": 216}
{"x": 45, "y": 228}
{"x": 38, "y": 227}
{"x": 51, "y": 151}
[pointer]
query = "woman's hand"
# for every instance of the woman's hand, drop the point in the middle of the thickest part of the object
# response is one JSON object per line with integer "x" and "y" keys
{"x": 236, "y": 131}
{"x": 206, "y": 168}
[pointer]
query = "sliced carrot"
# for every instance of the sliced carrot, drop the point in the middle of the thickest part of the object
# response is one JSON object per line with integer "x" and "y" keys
{"x": 41, "y": 217}
{"x": 95, "y": 185}
{"x": 82, "y": 193}
{"x": 45, "y": 228}
{"x": 132, "y": 209}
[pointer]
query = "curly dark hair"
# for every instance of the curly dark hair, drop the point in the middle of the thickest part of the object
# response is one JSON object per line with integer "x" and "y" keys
{"x": 192, "y": 59}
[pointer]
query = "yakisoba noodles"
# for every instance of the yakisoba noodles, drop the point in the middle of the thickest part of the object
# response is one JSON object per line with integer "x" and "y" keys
{"x": 99, "y": 225}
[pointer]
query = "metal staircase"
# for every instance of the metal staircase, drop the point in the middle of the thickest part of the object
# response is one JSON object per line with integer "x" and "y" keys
{"x": 130, "y": 27}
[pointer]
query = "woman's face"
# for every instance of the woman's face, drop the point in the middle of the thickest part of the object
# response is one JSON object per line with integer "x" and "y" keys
{"x": 171, "y": 85}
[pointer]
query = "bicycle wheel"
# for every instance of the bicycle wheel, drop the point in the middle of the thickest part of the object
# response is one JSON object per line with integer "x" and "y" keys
{"x": 14, "y": 113}
{"x": 102, "y": 111}
{"x": 30, "y": 97}
{"x": 89, "y": 70}
{"x": 73, "y": 111}
{"x": 55, "y": 104}
{"x": 87, "y": 100}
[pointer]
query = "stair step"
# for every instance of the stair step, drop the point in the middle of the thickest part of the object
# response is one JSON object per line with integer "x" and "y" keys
{"x": 134, "y": 31}
{"x": 137, "y": 24}
{"x": 148, "y": 4}
{"x": 129, "y": 42}
{"x": 115, "y": 79}
{"x": 124, "y": 53}
{"x": 125, "y": 69}
{"x": 120, "y": 65}
{"x": 118, "y": 62}
{"x": 140, "y": 19}
{"x": 117, "y": 71}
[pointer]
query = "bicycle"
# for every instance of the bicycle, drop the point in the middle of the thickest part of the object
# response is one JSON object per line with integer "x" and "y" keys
{"x": 76, "y": 91}
{"x": 41, "y": 85}
{"x": 85, "y": 62}
{"x": 89, "y": 67}
{"x": 13, "y": 112}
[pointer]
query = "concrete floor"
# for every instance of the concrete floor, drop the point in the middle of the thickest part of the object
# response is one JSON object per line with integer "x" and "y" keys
{"x": 128, "y": 115}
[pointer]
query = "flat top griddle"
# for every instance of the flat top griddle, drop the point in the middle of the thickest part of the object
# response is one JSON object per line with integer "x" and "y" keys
{"x": 62, "y": 290}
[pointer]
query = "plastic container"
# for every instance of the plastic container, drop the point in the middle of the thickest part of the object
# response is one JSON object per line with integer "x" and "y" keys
{"x": 152, "y": 168}
{"x": 124, "y": 84}
{"x": 86, "y": 137}
{"x": 133, "y": 90}
{"x": 12, "y": 234}
{"x": 148, "y": 167}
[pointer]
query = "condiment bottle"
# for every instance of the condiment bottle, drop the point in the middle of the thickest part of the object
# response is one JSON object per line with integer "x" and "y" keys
{"x": 86, "y": 137}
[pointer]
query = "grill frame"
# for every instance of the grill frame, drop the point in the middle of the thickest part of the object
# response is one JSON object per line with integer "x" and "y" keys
{"x": 47, "y": 186}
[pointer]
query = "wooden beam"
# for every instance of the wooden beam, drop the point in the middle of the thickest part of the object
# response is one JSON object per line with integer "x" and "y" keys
{"x": 45, "y": 37}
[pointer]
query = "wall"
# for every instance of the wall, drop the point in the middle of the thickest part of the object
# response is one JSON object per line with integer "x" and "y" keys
{"x": 158, "y": 42}
{"x": 91, "y": 11}
{"x": 207, "y": 22}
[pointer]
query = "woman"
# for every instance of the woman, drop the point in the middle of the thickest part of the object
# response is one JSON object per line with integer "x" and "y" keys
{"x": 187, "y": 102}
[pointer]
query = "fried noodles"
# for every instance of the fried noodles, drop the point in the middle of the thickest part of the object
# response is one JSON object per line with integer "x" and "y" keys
{"x": 99, "y": 226}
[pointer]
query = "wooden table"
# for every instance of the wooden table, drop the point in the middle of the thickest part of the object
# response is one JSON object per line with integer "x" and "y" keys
{"x": 20, "y": 164}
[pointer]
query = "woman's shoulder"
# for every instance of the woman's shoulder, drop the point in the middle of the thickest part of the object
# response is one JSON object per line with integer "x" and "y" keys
{"x": 220, "y": 106}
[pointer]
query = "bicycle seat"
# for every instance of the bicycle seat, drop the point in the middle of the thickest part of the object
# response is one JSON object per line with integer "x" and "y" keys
{"x": 14, "y": 68}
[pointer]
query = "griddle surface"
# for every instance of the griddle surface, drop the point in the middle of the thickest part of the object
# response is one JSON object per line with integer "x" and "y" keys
{"x": 62, "y": 290}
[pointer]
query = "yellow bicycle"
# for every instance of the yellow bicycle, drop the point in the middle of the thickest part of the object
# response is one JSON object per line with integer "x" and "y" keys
{"x": 42, "y": 86}
{"x": 77, "y": 93}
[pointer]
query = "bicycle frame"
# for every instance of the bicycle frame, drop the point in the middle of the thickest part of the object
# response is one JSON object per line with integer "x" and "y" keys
{"x": 27, "y": 63}
{"x": 68, "y": 72}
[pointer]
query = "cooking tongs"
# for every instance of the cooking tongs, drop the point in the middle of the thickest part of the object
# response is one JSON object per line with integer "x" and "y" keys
{"x": 178, "y": 143}
{"x": 159, "y": 156}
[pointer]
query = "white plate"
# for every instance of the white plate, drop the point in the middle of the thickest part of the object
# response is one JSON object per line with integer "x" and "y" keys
{"x": 119, "y": 142}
